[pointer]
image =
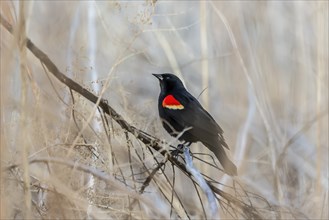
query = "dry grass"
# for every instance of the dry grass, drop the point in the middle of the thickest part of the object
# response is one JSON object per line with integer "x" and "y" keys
{"x": 264, "y": 66}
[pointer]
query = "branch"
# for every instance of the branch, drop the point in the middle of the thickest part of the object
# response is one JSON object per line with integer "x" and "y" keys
{"x": 202, "y": 183}
{"x": 97, "y": 173}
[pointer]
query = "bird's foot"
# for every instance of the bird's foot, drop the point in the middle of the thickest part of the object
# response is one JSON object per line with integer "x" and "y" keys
{"x": 179, "y": 150}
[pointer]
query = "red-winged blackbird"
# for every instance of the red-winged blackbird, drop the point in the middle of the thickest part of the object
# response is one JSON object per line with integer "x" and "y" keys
{"x": 182, "y": 114}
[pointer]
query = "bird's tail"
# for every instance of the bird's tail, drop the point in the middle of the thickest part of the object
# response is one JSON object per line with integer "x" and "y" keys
{"x": 220, "y": 153}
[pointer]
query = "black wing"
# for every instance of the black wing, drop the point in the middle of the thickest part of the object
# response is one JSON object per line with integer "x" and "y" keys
{"x": 194, "y": 115}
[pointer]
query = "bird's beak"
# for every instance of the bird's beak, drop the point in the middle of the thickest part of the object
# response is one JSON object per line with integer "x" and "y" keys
{"x": 159, "y": 76}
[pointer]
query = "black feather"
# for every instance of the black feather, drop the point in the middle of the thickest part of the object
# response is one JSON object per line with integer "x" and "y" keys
{"x": 200, "y": 125}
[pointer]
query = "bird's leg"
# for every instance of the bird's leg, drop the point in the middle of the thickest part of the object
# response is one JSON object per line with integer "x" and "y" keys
{"x": 188, "y": 144}
{"x": 179, "y": 149}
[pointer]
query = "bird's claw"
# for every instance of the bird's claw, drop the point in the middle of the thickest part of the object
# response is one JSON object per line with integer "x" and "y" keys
{"x": 179, "y": 150}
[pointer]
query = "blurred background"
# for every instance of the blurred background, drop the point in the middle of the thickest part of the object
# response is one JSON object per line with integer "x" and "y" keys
{"x": 259, "y": 67}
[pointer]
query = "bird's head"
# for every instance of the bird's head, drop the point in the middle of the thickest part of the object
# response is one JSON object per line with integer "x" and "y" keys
{"x": 169, "y": 82}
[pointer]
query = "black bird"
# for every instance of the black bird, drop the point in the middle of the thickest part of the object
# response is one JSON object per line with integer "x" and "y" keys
{"x": 179, "y": 110}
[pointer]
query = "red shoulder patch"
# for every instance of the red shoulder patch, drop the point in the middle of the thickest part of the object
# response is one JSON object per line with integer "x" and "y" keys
{"x": 170, "y": 102}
